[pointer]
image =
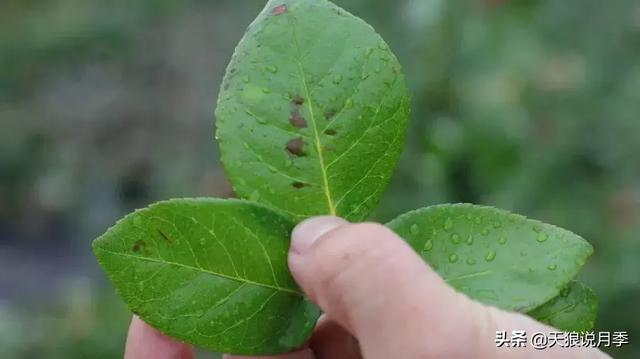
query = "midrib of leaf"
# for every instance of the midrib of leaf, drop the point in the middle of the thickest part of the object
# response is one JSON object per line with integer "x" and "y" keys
{"x": 318, "y": 145}
{"x": 200, "y": 269}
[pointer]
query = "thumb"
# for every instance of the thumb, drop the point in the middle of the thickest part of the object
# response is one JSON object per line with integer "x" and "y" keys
{"x": 371, "y": 282}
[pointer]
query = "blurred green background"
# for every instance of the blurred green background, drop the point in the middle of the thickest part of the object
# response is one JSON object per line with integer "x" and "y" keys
{"x": 106, "y": 106}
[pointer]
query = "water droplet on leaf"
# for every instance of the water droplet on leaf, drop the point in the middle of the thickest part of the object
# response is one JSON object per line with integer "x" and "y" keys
{"x": 428, "y": 245}
{"x": 491, "y": 255}
{"x": 272, "y": 68}
{"x": 470, "y": 240}
{"x": 542, "y": 237}
{"x": 448, "y": 224}
{"x": 455, "y": 238}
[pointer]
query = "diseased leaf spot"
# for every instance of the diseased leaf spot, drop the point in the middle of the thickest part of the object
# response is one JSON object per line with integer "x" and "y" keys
{"x": 164, "y": 236}
{"x": 279, "y": 10}
{"x": 331, "y": 132}
{"x": 298, "y": 185}
{"x": 329, "y": 115}
{"x": 328, "y": 148}
{"x": 298, "y": 100}
{"x": 139, "y": 245}
{"x": 295, "y": 147}
{"x": 297, "y": 120}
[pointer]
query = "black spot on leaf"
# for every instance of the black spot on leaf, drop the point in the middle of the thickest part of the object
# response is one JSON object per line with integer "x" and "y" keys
{"x": 331, "y": 132}
{"x": 297, "y": 120}
{"x": 295, "y": 147}
{"x": 298, "y": 185}
{"x": 138, "y": 246}
{"x": 164, "y": 236}
{"x": 298, "y": 100}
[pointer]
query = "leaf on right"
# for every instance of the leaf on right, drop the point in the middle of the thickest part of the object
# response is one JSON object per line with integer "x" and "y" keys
{"x": 574, "y": 310}
{"x": 494, "y": 256}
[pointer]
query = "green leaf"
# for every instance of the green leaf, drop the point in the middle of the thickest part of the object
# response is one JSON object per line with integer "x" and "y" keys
{"x": 494, "y": 256}
{"x": 313, "y": 111}
{"x": 574, "y": 310}
{"x": 210, "y": 272}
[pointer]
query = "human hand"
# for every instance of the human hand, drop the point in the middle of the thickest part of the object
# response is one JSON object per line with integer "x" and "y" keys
{"x": 380, "y": 301}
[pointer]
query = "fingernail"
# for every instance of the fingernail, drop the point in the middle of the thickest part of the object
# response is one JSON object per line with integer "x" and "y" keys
{"x": 307, "y": 233}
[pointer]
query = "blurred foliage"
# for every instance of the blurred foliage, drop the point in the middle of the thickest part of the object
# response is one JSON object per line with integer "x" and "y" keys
{"x": 530, "y": 105}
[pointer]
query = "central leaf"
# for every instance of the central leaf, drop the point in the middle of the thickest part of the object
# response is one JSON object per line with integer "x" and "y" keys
{"x": 313, "y": 111}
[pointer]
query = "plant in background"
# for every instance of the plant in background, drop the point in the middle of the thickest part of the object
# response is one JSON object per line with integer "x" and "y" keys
{"x": 311, "y": 120}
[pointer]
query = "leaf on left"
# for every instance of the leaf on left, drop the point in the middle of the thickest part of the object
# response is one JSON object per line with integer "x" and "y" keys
{"x": 210, "y": 272}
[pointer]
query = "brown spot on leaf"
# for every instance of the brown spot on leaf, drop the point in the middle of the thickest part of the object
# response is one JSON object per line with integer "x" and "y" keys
{"x": 279, "y": 10}
{"x": 298, "y": 185}
{"x": 138, "y": 246}
{"x": 297, "y": 120}
{"x": 329, "y": 115}
{"x": 295, "y": 147}
{"x": 298, "y": 100}
{"x": 331, "y": 132}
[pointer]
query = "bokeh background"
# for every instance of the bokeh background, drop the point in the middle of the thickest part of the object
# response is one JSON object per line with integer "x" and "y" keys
{"x": 106, "y": 106}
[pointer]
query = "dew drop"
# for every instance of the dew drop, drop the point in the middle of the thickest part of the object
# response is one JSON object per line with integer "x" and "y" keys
{"x": 542, "y": 237}
{"x": 491, "y": 255}
{"x": 255, "y": 196}
{"x": 288, "y": 163}
{"x": 203, "y": 241}
{"x": 448, "y": 224}
{"x": 455, "y": 238}
{"x": 469, "y": 240}
{"x": 478, "y": 220}
{"x": 486, "y": 231}
{"x": 272, "y": 68}
{"x": 471, "y": 261}
{"x": 502, "y": 240}
{"x": 552, "y": 267}
{"x": 537, "y": 228}
{"x": 266, "y": 90}
{"x": 428, "y": 245}
{"x": 523, "y": 253}
{"x": 383, "y": 46}
{"x": 262, "y": 121}
{"x": 369, "y": 52}
{"x": 348, "y": 104}
{"x": 415, "y": 230}
{"x": 245, "y": 145}
{"x": 246, "y": 79}
{"x": 337, "y": 79}
{"x": 453, "y": 258}
{"x": 364, "y": 77}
